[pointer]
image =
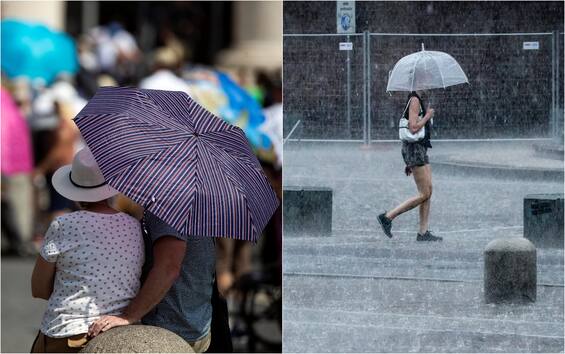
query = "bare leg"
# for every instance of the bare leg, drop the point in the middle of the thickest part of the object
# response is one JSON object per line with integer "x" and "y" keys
{"x": 422, "y": 177}
{"x": 425, "y": 206}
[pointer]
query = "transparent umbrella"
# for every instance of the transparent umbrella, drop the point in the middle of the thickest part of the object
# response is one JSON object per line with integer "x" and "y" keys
{"x": 425, "y": 70}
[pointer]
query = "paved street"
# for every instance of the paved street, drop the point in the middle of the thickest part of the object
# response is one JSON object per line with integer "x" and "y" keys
{"x": 21, "y": 314}
{"x": 358, "y": 291}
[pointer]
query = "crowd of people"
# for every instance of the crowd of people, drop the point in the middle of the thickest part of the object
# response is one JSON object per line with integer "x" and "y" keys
{"x": 39, "y": 137}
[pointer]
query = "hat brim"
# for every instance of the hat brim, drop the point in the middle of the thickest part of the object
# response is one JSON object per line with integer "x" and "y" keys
{"x": 63, "y": 185}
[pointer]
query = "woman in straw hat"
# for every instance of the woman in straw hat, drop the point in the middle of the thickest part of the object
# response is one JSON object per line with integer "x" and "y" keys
{"x": 90, "y": 262}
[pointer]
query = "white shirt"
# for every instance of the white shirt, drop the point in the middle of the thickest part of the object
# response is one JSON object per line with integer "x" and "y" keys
{"x": 98, "y": 268}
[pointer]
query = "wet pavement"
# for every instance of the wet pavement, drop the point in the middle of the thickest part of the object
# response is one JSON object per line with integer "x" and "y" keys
{"x": 358, "y": 291}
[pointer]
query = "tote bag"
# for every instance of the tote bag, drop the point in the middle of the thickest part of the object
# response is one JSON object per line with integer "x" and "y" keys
{"x": 404, "y": 133}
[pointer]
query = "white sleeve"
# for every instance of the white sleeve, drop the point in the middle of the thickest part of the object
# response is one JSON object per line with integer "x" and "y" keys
{"x": 51, "y": 247}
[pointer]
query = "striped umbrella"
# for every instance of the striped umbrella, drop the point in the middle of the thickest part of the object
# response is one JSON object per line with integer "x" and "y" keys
{"x": 179, "y": 161}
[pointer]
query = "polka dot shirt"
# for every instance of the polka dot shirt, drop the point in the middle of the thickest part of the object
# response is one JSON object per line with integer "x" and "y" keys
{"x": 98, "y": 261}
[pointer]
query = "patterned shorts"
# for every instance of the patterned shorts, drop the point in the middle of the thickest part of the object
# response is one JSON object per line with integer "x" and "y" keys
{"x": 415, "y": 154}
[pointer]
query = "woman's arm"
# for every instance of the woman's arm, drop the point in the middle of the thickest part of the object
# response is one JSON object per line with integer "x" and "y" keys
{"x": 415, "y": 124}
{"x": 42, "y": 279}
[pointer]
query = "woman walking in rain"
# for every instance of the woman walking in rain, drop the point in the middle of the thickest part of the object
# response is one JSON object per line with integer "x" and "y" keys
{"x": 417, "y": 163}
{"x": 416, "y": 73}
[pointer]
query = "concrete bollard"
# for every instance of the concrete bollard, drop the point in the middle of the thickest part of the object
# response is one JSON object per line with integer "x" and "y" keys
{"x": 510, "y": 271}
{"x": 137, "y": 339}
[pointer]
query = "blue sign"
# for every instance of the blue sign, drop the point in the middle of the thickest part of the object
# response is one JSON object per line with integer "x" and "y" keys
{"x": 345, "y": 16}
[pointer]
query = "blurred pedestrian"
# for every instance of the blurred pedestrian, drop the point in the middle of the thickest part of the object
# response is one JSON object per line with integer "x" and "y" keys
{"x": 417, "y": 163}
{"x": 56, "y": 138}
{"x": 234, "y": 260}
{"x": 89, "y": 68}
{"x": 17, "y": 187}
{"x": 166, "y": 63}
{"x": 117, "y": 52}
{"x": 90, "y": 262}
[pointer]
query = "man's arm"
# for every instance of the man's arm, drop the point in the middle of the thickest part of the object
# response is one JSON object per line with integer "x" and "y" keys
{"x": 168, "y": 254}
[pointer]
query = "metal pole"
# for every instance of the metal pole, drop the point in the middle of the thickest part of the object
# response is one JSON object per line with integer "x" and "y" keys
{"x": 365, "y": 89}
{"x": 348, "y": 91}
{"x": 557, "y": 111}
{"x": 292, "y": 131}
{"x": 368, "y": 51}
{"x": 553, "y": 93}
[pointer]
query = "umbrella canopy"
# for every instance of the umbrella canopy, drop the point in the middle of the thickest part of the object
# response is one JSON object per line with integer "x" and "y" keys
{"x": 188, "y": 167}
{"x": 36, "y": 52}
{"x": 425, "y": 70}
{"x": 227, "y": 100}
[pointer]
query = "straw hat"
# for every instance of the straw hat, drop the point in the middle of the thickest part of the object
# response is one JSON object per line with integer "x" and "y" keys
{"x": 82, "y": 181}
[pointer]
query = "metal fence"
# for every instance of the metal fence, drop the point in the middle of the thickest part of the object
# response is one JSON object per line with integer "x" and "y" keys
{"x": 340, "y": 95}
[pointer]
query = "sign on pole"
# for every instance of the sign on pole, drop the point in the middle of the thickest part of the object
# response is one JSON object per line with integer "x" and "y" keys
{"x": 345, "y": 46}
{"x": 530, "y": 45}
{"x": 345, "y": 16}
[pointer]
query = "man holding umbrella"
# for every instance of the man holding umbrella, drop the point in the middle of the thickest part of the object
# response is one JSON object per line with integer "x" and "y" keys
{"x": 197, "y": 179}
{"x": 177, "y": 291}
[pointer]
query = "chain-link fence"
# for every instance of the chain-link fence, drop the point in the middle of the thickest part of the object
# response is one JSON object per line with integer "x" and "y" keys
{"x": 323, "y": 86}
{"x": 513, "y": 92}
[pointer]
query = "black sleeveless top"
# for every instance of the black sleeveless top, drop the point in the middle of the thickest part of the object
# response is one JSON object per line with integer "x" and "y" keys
{"x": 426, "y": 141}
